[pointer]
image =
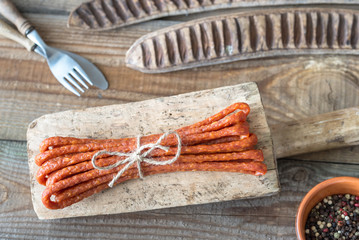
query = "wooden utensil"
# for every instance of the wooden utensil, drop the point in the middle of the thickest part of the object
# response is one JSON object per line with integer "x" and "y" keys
{"x": 109, "y": 14}
{"x": 183, "y": 188}
{"x": 246, "y": 35}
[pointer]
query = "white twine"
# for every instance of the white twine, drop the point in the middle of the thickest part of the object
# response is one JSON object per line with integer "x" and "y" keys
{"x": 137, "y": 157}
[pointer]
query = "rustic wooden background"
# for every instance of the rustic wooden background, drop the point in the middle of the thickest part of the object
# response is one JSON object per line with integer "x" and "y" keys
{"x": 291, "y": 88}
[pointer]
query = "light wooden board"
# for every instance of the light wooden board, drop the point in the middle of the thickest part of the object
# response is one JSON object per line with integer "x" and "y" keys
{"x": 156, "y": 116}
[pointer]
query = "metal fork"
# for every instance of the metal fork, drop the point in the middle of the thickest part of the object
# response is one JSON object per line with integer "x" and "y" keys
{"x": 65, "y": 69}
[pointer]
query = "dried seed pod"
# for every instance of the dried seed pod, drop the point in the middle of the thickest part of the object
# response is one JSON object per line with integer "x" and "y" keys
{"x": 109, "y": 14}
{"x": 241, "y": 36}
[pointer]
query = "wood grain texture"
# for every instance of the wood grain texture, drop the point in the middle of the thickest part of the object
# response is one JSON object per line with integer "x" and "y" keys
{"x": 46, "y": 7}
{"x": 110, "y": 14}
{"x": 246, "y": 35}
{"x": 322, "y": 132}
{"x": 345, "y": 155}
{"x": 292, "y": 88}
{"x": 310, "y": 85}
{"x": 261, "y": 218}
{"x": 157, "y": 116}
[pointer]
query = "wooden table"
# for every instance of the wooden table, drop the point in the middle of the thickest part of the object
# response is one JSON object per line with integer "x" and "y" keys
{"x": 291, "y": 88}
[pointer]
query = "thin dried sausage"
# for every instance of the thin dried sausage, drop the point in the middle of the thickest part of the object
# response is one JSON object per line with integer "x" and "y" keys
{"x": 221, "y": 142}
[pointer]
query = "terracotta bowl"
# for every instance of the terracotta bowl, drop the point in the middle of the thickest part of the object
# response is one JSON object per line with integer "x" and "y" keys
{"x": 338, "y": 185}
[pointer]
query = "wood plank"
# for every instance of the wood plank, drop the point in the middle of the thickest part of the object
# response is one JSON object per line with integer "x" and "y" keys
{"x": 261, "y": 218}
{"x": 40, "y": 6}
{"x": 345, "y": 155}
{"x": 292, "y": 88}
{"x": 148, "y": 117}
{"x": 318, "y": 133}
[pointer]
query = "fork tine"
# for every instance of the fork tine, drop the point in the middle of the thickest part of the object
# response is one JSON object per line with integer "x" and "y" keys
{"x": 78, "y": 77}
{"x": 69, "y": 78}
{"x": 83, "y": 74}
{"x": 68, "y": 86}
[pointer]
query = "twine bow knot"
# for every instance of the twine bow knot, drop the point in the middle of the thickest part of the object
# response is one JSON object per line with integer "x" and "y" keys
{"x": 138, "y": 156}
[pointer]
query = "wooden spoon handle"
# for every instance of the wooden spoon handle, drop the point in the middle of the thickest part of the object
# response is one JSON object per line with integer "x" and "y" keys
{"x": 10, "y": 12}
{"x": 326, "y": 131}
{"x": 7, "y": 31}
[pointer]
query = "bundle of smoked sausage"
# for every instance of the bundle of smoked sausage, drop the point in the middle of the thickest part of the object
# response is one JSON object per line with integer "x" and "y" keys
{"x": 221, "y": 142}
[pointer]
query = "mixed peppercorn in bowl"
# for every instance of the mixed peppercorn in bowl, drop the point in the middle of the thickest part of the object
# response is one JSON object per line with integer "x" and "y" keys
{"x": 330, "y": 211}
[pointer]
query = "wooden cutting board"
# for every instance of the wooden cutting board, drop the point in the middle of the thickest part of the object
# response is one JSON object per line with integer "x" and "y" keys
{"x": 156, "y": 116}
{"x": 322, "y": 132}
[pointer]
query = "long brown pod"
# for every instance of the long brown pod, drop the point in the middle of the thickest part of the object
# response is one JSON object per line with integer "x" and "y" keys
{"x": 246, "y": 35}
{"x": 109, "y": 14}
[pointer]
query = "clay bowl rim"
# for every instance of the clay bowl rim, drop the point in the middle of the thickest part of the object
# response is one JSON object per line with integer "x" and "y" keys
{"x": 328, "y": 187}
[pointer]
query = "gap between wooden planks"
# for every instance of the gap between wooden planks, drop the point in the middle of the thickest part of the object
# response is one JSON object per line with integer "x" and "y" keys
{"x": 156, "y": 116}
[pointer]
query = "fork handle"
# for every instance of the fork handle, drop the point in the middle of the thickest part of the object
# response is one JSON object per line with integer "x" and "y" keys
{"x": 10, "y": 12}
{"x": 7, "y": 31}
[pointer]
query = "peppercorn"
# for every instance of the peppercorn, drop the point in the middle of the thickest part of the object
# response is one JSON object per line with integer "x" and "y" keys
{"x": 335, "y": 217}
